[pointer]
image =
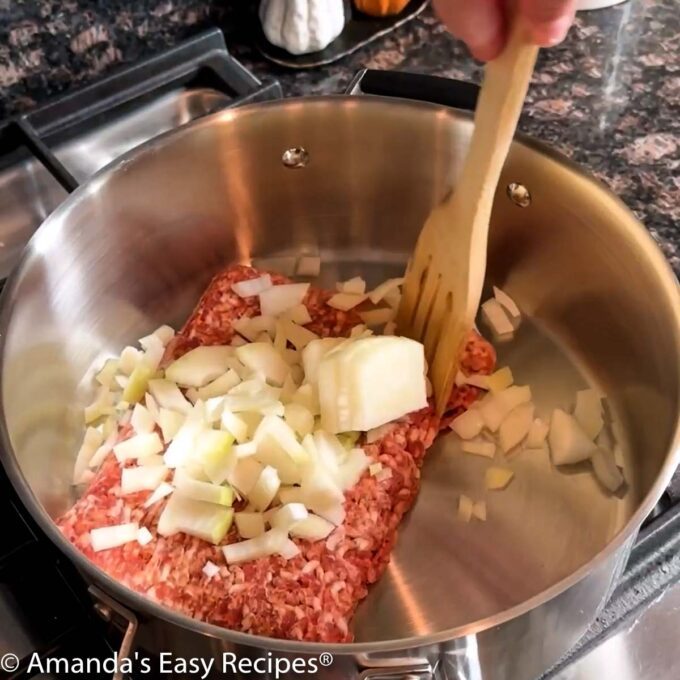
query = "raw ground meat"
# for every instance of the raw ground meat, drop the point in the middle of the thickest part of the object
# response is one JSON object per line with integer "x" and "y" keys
{"x": 312, "y": 596}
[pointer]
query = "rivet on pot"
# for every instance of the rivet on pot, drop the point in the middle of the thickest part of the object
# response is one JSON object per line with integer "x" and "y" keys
{"x": 296, "y": 157}
{"x": 519, "y": 194}
{"x": 103, "y": 611}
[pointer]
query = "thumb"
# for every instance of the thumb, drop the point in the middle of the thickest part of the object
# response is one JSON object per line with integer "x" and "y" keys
{"x": 548, "y": 20}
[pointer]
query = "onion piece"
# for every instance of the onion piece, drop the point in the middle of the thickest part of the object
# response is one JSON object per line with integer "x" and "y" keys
{"x": 479, "y": 447}
{"x": 91, "y": 442}
{"x": 210, "y": 569}
{"x": 500, "y": 380}
{"x": 288, "y": 515}
{"x": 168, "y": 396}
{"x": 150, "y": 461}
{"x": 299, "y": 419}
{"x": 496, "y": 479}
{"x": 107, "y": 372}
{"x": 393, "y": 299}
{"x": 537, "y": 434}
{"x": 152, "y": 407}
{"x": 199, "y": 366}
{"x": 101, "y": 406}
{"x": 314, "y": 352}
{"x": 252, "y": 287}
{"x": 384, "y": 289}
{"x": 468, "y": 425}
{"x": 352, "y": 468}
{"x": 375, "y": 468}
{"x": 101, "y": 453}
{"x": 215, "y": 454}
{"x": 298, "y": 314}
{"x": 289, "y": 550}
{"x": 479, "y": 511}
{"x": 279, "y": 299}
{"x": 249, "y": 524}
{"x": 465, "y": 506}
{"x": 495, "y": 408}
{"x": 237, "y": 341}
{"x": 144, "y": 536}
{"x": 354, "y": 286}
{"x": 245, "y": 450}
{"x": 220, "y": 386}
{"x": 306, "y": 396}
{"x": 269, "y": 543}
{"x": 106, "y": 538}
{"x": 568, "y": 442}
{"x": 265, "y": 360}
{"x": 588, "y": 412}
{"x": 509, "y": 305}
{"x": 377, "y": 317}
{"x": 265, "y": 489}
{"x": 164, "y": 489}
{"x": 206, "y": 521}
{"x": 142, "y": 421}
{"x": 606, "y": 471}
{"x": 170, "y": 422}
{"x": 298, "y": 336}
{"x": 308, "y": 265}
{"x": 148, "y": 478}
{"x": 129, "y": 358}
{"x": 236, "y": 426}
{"x": 346, "y": 301}
{"x": 198, "y": 490}
{"x": 139, "y": 446}
{"x": 291, "y": 494}
{"x": 516, "y": 426}
{"x": 378, "y": 433}
{"x": 153, "y": 354}
{"x": 276, "y": 429}
{"x": 495, "y": 317}
{"x": 313, "y": 528}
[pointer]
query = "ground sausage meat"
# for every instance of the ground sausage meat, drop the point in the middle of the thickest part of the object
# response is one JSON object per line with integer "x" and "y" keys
{"x": 312, "y": 596}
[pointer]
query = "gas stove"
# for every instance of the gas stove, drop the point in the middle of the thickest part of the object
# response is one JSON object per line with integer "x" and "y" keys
{"x": 46, "y": 610}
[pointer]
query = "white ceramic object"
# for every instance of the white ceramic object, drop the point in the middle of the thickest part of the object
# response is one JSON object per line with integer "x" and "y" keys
{"x": 596, "y": 4}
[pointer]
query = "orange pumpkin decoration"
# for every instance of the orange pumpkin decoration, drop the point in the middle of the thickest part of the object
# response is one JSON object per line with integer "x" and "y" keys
{"x": 380, "y": 8}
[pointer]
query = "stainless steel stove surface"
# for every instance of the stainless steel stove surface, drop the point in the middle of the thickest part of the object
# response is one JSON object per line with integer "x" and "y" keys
{"x": 46, "y": 611}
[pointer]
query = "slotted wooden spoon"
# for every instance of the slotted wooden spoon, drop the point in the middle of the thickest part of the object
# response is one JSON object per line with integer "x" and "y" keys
{"x": 444, "y": 279}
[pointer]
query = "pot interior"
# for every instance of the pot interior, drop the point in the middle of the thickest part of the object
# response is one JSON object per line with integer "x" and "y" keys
{"x": 135, "y": 247}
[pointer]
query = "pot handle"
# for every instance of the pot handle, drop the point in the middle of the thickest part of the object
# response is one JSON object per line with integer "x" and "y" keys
{"x": 407, "y": 668}
{"x": 108, "y": 609}
{"x": 457, "y": 94}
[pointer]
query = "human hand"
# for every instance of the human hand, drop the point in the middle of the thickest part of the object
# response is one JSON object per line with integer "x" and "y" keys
{"x": 482, "y": 24}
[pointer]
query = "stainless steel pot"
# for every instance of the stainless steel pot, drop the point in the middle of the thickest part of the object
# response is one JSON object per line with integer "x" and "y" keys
{"x": 355, "y": 177}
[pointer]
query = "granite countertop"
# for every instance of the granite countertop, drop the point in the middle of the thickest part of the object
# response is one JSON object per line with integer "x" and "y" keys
{"x": 608, "y": 97}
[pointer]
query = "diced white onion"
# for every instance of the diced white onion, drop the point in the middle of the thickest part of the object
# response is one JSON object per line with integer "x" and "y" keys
{"x": 288, "y": 515}
{"x": 92, "y": 440}
{"x": 384, "y": 289}
{"x": 249, "y": 524}
{"x": 298, "y": 336}
{"x": 206, "y": 521}
{"x": 479, "y": 447}
{"x": 516, "y": 426}
{"x": 200, "y": 366}
{"x": 352, "y": 468}
{"x": 568, "y": 442}
{"x": 139, "y": 446}
{"x": 220, "y": 386}
{"x": 313, "y": 528}
{"x": 169, "y": 396}
{"x": 299, "y": 418}
{"x": 147, "y": 478}
{"x": 509, "y": 305}
{"x": 245, "y": 450}
{"x": 298, "y": 314}
{"x": 142, "y": 421}
{"x": 465, "y": 506}
{"x": 306, "y": 396}
{"x": 265, "y": 360}
{"x": 152, "y": 407}
{"x": 161, "y": 492}
{"x": 588, "y": 412}
{"x": 355, "y": 286}
{"x": 276, "y": 429}
{"x": 170, "y": 422}
{"x": 377, "y": 317}
{"x": 269, "y": 543}
{"x": 606, "y": 471}
{"x": 103, "y": 450}
{"x": 375, "y": 468}
{"x": 245, "y": 475}
{"x": 144, "y": 536}
{"x": 252, "y": 287}
{"x": 150, "y": 461}
{"x": 289, "y": 550}
{"x": 313, "y": 353}
{"x": 496, "y": 479}
{"x": 202, "y": 491}
{"x": 308, "y": 265}
{"x": 537, "y": 434}
{"x": 495, "y": 407}
{"x": 129, "y": 358}
{"x": 210, "y": 569}
{"x": 106, "y": 538}
{"x": 468, "y": 425}
{"x": 107, "y": 373}
{"x": 495, "y": 317}
{"x": 384, "y": 474}
{"x": 279, "y": 299}
{"x": 236, "y": 426}
{"x": 101, "y": 406}
{"x": 479, "y": 511}
{"x": 345, "y": 301}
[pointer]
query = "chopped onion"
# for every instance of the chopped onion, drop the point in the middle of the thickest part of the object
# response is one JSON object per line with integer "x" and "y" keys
{"x": 355, "y": 286}
{"x": 247, "y": 405}
{"x": 107, "y": 372}
{"x": 137, "y": 384}
{"x": 142, "y": 421}
{"x": 479, "y": 511}
{"x": 299, "y": 419}
{"x": 161, "y": 492}
{"x": 384, "y": 289}
{"x": 288, "y": 515}
{"x": 103, "y": 450}
{"x": 134, "y": 479}
{"x": 252, "y": 287}
{"x": 101, "y": 406}
{"x": 298, "y": 314}
{"x": 129, "y": 358}
{"x": 199, "y": 366}
{"x": 509, "y": 305}
{"x": 495, "y": 317}
{"x": 289, "y": 550}
{"x": 236, "y": 426}
{"x": 329, "y": 451}
{"x": 568, "y": 442}
{"x": 352, "y": 468}
{"x": 606, "y": 471}
{"x": 249, "y": 524}
{"x": 237, "y": 341}
{"x": 393, "y": 299}
{"x": 168, "y": 396}
{"x": 245, "y": 475}
{"x": 313, "y": 528}
{"x": 496, "y": 479}
{"x": 377, "y": 317}
{"x": 479, "y": 448}
{"x": 152, "y": 407}
{"x": 500, "y": 380}
{"x": 308, "y": 265}
{"x": 378, "y": 433}
{"x": 313, "y": 353}
{"x": 206, "y": 521}
{"x": 153, "y": 354}
{"x": 150, "y": 461}
{"x": 170, "y": 423}
{"x": 220, "y": 386}
{"x": 334, "y": 513}
{"x": 345, "y": 301}
{"x": 245, "y": 450}
{"x": 291, "y": 494}
{"x": 588, "y": 412}
{"x": 210, "y": 569}
{"x": 390, "y": 328}
{"x": 537, "y": 434}
{"x": 495, "y": 408}
{"x": 198, "y": 490}
{"x": 183, "y": 444}
{"x": 375, "y": 468}
{"x": 279, "y": 299}
{"x": 292, "y": 357}
{"x": 298, "y": 336}
{"x": 215, "y": 454}
{"x": 465, "y": 507}
{"x": 265, "y": 360}
{"x": 269, "y": 543}
{"x": 105, "y": 538}
{"x": 516, "y": 426}
{"x": 276, "y": 429}
{"x": 91, "y": 442}
{"x": 139, "y": 446}
{"x": 468, "y": 425}
{"x": 144, "y": 536}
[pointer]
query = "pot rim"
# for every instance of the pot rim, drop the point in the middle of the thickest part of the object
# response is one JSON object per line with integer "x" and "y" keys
{"x": 621, "y": 214}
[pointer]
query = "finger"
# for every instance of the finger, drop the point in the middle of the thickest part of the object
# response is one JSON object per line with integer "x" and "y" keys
{"x": 480, "y": 24}
{"x": 548, "y": 20}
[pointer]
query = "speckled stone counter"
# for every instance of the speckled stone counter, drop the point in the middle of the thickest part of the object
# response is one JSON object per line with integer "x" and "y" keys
{"x": 609, "y": 97}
